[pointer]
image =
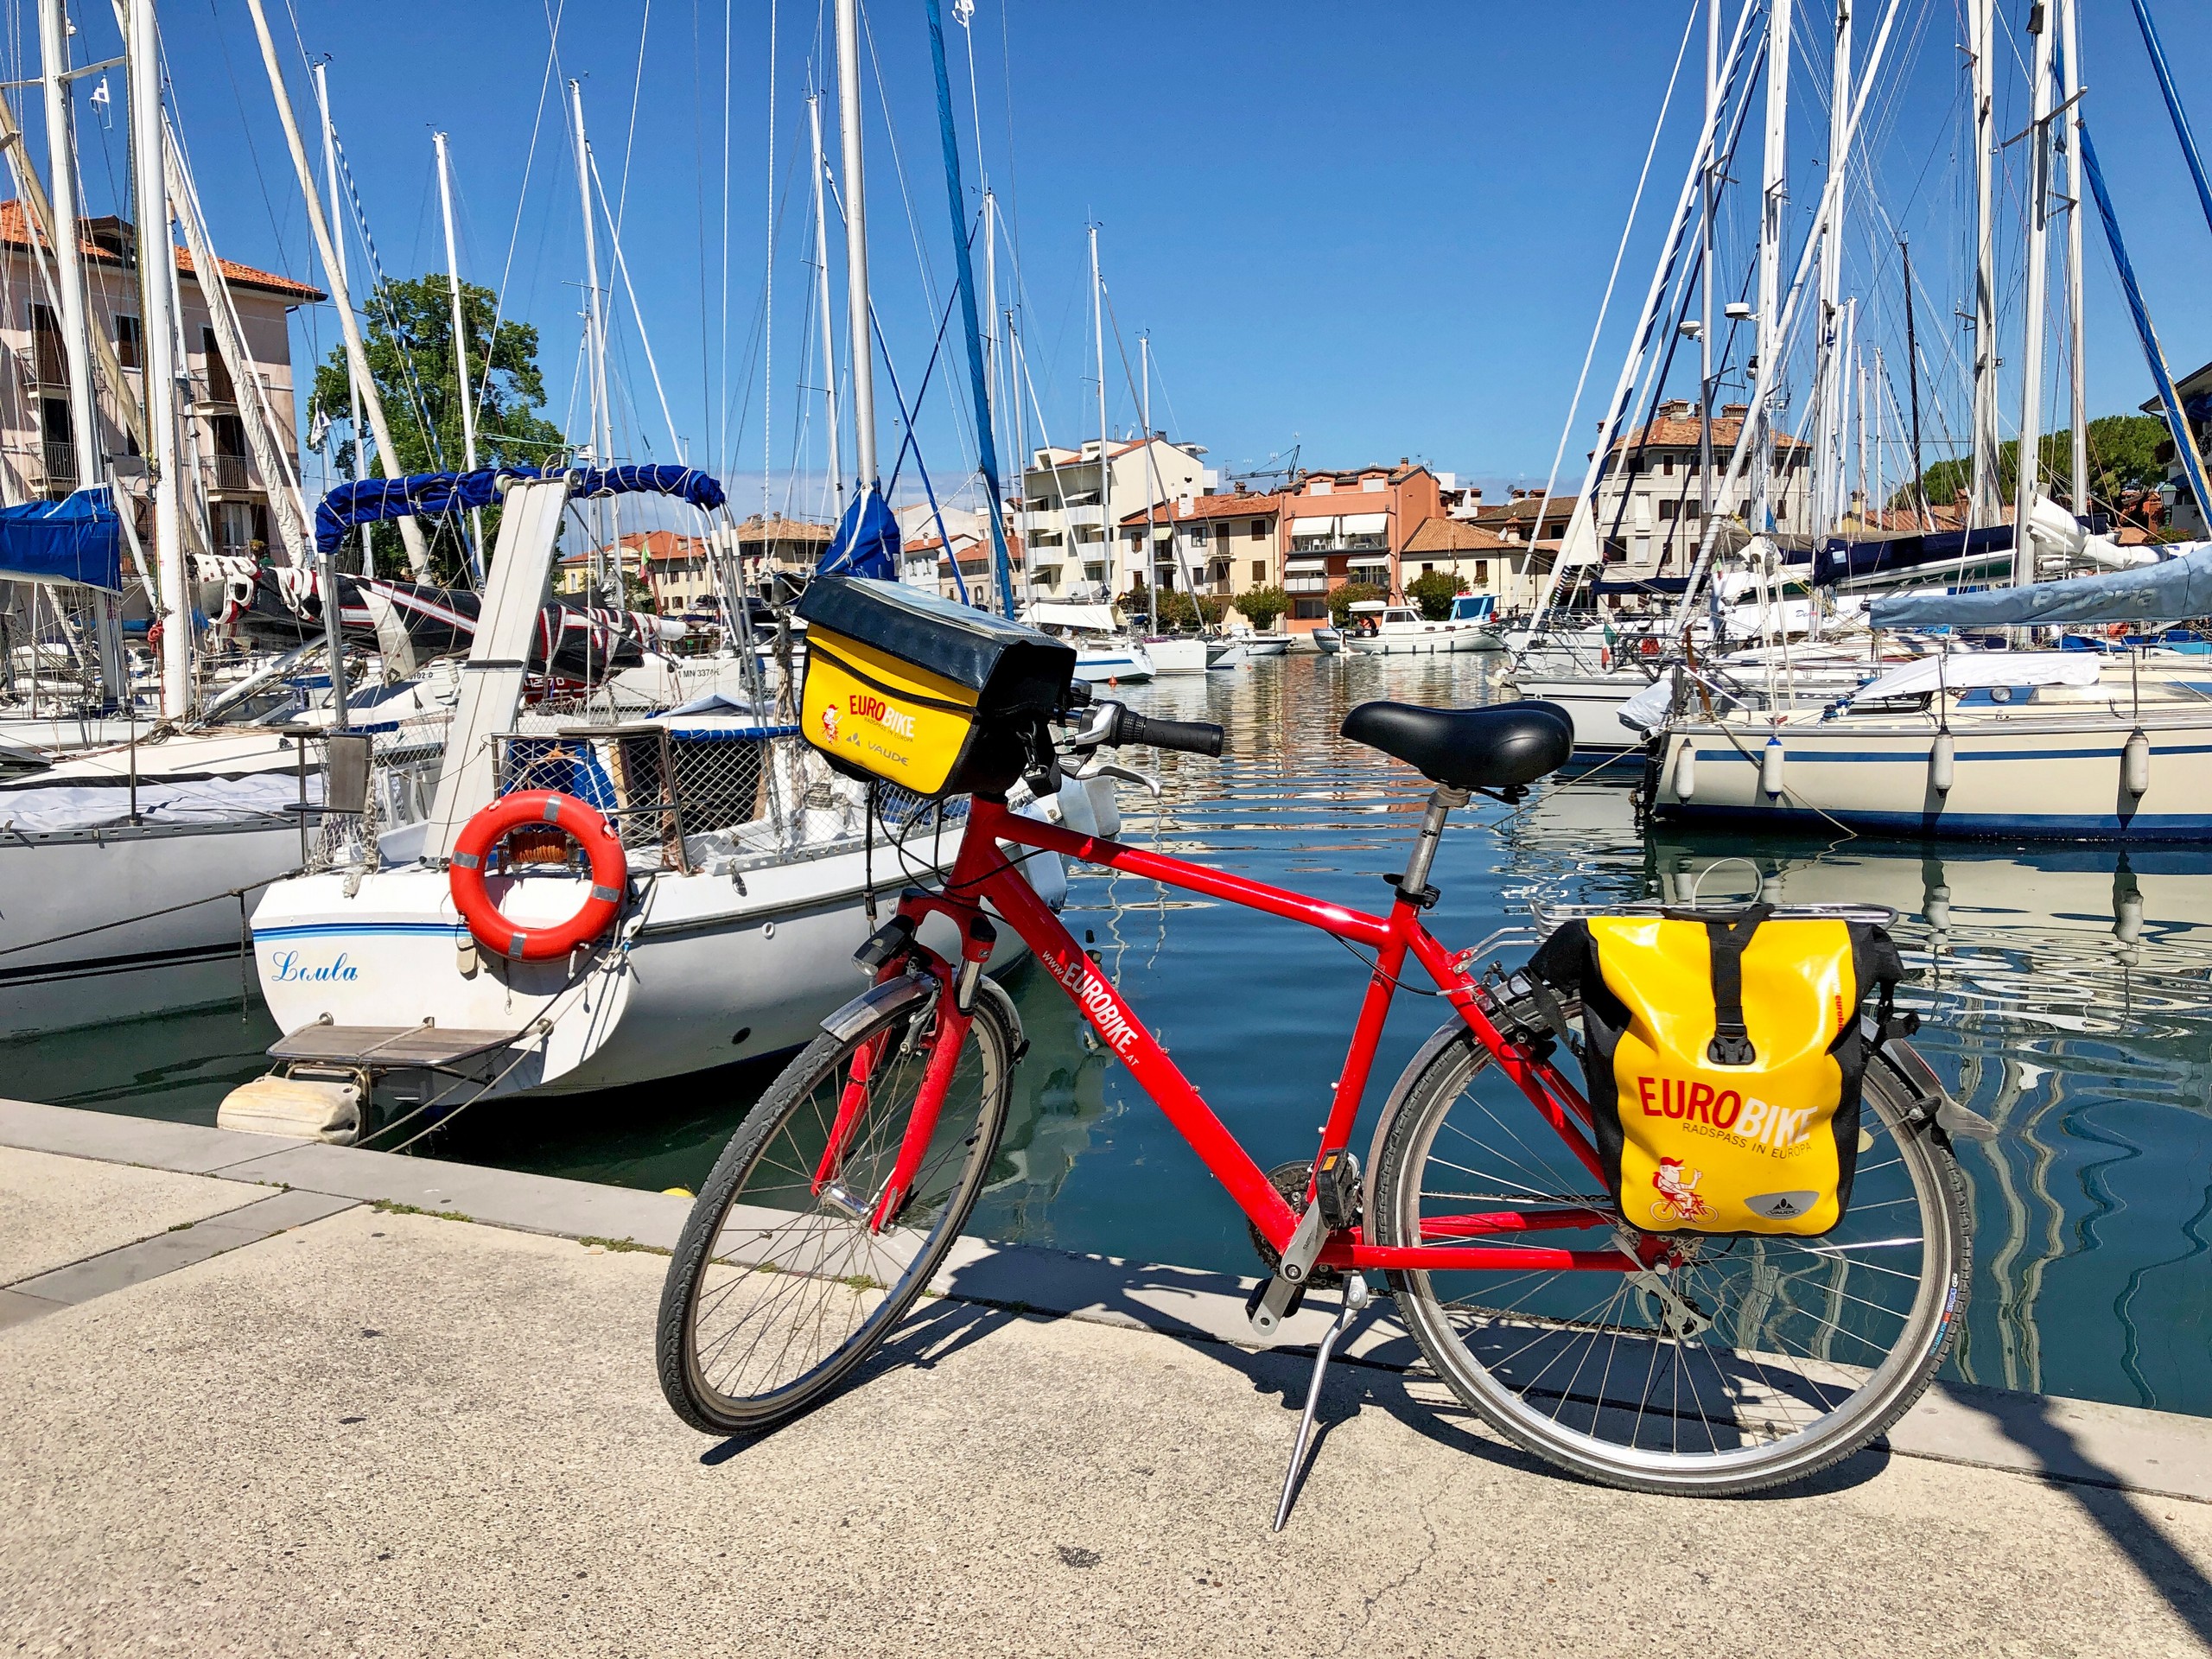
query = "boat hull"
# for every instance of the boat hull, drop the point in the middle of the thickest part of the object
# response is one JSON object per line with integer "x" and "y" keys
{"x": 1112, "y": 664}
{"x": 1440, "y": 639}
{"x": 2052, "y": 779}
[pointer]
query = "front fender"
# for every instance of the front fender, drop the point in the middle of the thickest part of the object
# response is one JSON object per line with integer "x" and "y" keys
{"x": 892, "y": 996}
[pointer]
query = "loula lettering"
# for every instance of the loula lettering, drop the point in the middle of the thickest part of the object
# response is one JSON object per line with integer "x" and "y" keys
{"x": 288, "y": 970}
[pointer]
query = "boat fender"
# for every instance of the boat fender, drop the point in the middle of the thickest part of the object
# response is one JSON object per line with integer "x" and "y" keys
{"x": 2135, "y": 764}
{"x": 583, "y": 825}
{"x": 1770, "y": 766}
{"x": 1942, "y": 762}
{"x": 1686, "y": 773}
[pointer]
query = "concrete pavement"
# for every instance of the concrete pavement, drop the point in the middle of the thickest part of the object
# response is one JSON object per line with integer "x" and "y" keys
{"x": 374, "y": 1431}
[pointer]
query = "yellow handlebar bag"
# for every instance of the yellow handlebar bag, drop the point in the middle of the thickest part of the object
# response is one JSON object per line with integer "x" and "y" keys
{"x": 1724, "y": 1054}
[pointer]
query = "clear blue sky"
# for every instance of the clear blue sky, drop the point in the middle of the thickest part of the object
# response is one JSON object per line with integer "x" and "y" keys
{"x": 1375, "y": 231}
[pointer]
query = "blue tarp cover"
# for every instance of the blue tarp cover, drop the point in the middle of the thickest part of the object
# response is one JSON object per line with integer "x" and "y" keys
{"x": 1837, "y": 561}
{"x": 867, "y": 543}
{"x": 433, "y": 495}
{"x": 2178, "y": 589}
{"x": 78, "y": 538}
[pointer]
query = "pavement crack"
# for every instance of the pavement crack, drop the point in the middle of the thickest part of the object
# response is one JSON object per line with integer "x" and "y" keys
{"x": 1373, "y": 1597}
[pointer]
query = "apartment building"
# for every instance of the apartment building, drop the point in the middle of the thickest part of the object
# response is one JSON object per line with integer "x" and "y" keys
{"x": 679, "y": 570}
{"x": 1649, "y": 520}
{"x": 1065, "y": 497}
{"x": 1483, "y": 561}
{"x": 1350, "y": 526}
{"x": 38, "y": 456}
{"x": 1221, "y": 545}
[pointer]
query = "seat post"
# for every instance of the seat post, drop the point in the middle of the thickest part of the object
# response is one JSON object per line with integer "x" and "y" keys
{"x": 1442, "y": 800}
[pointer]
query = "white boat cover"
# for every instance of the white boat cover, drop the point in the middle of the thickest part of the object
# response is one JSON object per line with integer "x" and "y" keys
{"x": 1088, "y": 618}
{"x": 2173, "y": 591}
{"x": 259, "y": 795}
{"x": 1976, "y": 668}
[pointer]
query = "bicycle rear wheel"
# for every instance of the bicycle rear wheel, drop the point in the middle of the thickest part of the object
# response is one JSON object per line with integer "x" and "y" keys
{"x": 781, "y": 1284}
{"x": 1813, "y": 1346}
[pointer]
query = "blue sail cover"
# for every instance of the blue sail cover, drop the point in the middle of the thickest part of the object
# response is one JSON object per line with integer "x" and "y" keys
{"x": 2179, "y": 588}
{"x": 867, "y": 543}
{"x": 78, "y": 538}
{"x": 433, "y": 495}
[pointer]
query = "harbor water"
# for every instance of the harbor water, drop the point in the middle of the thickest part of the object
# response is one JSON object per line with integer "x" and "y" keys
{"x": 2066, "y": 994}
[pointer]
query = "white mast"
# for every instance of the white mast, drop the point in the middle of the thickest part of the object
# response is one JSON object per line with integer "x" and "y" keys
{"x": 858, "y": 317}
{"x": 463, "y": 382}
{"x": 1774, "y": 196}
{"x": 1980, "y": 49}
{"x": 1707, "y": 258}
{"x": 1106, "y": 526}
{"x": 989, "y": 321}
{"x": 2070, "y": 42}
{"x": 1831, "y": 360}
{"x": 69, "y": 281}
{"x": 829, "y": 313}
{"x": 1151, "y": 483}
{"x": 357, "y": 357}
{"x": 158, "y": 344}
{"x": 352, "y": 387}
{"x": 602, "y": 423}
{"x": 1858, "y": 377}
{"x": 2029, "y": 469}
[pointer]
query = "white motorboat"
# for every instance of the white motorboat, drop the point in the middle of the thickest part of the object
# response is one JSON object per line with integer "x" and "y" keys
{"x": 1257, "y": 646}
{"x": 1380, "y": 629}
{"x": 1179, "y": 653}
{"x": 1328, "y": 641}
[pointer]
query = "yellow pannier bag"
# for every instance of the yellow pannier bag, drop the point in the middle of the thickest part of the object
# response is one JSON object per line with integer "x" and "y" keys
{"x": 1724, "y": 1054}
{"x": 936, "y": 697}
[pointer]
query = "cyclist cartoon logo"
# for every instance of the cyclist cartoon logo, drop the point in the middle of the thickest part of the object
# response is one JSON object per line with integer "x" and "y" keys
{"x": 829, "y": 723}
{"x": 1678, "y": 1199}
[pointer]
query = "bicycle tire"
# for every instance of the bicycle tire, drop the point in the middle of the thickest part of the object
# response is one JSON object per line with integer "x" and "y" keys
{"x": 1597, "y": 1423}
{"x": 772, "y": 1158}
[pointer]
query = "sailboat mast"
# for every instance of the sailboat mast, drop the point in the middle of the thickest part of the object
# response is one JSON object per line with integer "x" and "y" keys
{"x": 857, "y": 314}
{"x": 1980, "y": 51}
{"x": 352, "y": 387}
{"x": 1710, "y": 185}
{"x": 68, "y": 257}
{"x": 1105, "y": 473}
{"x": 1830, "y": 371}
{"x": 158, "y": 331}
{"x": 602, "y": 423}
{"x": 2077, "y": 364}
{"x": 357, "y": 357}
{"x": 1151, "y": 485}
{"x": 2030, "y": 468}
{"x": 464, "y": 384}
{"x": 822, "y": 299}
{"x": 1773, "y": 197}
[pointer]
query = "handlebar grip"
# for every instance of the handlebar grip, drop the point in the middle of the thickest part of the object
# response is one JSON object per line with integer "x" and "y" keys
{"x": 1190, "y": 736}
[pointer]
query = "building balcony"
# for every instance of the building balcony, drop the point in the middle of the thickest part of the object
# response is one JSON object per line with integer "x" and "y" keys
{"x": 231, "y": 475}
{"x": 1091, "y": 517}
{"x": 43, "y": 366}
{"x": 1030, "y": 521}
{"x": 1306, "y": 584}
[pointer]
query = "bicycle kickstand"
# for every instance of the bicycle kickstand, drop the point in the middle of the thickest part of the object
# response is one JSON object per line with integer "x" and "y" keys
{"x": 1355, "y": 1298}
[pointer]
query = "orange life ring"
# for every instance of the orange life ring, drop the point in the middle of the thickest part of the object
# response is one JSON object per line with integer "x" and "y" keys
{"x": 585, "y": 826}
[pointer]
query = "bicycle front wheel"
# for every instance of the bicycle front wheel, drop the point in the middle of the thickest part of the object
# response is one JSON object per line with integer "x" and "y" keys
{"x": 1755, "y": 1362}
{"x": 783, "y": 1281}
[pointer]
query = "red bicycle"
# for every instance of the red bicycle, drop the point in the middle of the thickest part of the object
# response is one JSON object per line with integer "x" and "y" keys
{"x": 1712, "y": 1365}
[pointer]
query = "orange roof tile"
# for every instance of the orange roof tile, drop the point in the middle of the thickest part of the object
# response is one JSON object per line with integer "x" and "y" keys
{"x": 1456, "y": 535}
{"x": 15, "y": 232}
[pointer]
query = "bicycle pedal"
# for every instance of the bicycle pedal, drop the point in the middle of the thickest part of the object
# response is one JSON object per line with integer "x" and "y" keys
{"x": 1266, "y": 1319}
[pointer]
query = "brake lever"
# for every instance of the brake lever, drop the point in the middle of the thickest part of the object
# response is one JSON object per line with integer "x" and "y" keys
{"x": 1097, "y": 767}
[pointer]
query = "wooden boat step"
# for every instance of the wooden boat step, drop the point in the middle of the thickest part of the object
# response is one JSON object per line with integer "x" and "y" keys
{"x": 389, "y": 1046}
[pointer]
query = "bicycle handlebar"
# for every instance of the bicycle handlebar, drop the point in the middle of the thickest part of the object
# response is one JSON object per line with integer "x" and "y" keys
{"x": 1190, "y": 736}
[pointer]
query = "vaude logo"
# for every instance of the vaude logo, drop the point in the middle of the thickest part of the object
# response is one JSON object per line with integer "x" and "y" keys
{"x": 1096, "y": 998}
{"x": 288, "y": 970}
{"x": 896, "y": 722}
{"x": 1781, "y": 1206}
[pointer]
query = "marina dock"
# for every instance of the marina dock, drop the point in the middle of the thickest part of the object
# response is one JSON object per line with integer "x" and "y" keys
{"x": 272, "y": 1397}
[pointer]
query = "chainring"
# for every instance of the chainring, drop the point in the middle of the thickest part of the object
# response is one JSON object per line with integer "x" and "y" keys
{"x": 1291, "y": 1181}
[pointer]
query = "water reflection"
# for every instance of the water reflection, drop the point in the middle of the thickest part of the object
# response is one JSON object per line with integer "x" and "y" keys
{"x": 2066, "y": 991}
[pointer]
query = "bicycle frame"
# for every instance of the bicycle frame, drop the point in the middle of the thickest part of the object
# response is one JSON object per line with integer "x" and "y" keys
{"x": 983, "y": 873}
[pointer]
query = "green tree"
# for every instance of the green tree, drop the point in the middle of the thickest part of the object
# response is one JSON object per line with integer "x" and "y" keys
{"x": 1262, "y": 606}
{"x": 409, "y": 342}
{"x": 1341, "y": 599}
{"x": 1433, "y": 591}
{"x": 2123, "y": 454}
{"x": 1176, "y": 609}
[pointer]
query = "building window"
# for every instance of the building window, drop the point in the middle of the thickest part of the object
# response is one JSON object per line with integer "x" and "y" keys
{"x": 1259, "y": 530}
{"x": 1198, "y": 535}
{"x": 128, "y": 351}
{"x": 1667, "y": 510}
{"x": 1259, "y": 571}
{"x": 1374, "y": 485}
{"x": 1309, "y": 610}
{"x": 1667, "y": 465}
{"x": 1322, "y": 486}
{"x": 1482, "y": 570}
{"x": 1427, "y": 570}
